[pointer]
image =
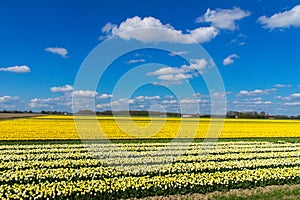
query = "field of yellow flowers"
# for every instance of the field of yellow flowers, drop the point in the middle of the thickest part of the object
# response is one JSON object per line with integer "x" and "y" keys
{"x": 64, "y": 127}
{"x": 123, "y": 170}
{"x": 49, "y": 167}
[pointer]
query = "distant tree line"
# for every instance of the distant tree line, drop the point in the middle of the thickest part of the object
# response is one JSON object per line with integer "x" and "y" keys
{"x": 15, "y": 111}
{"x": 54, "y": 112}
{"x": 130, "y": 112}
{"x": 41, "y": 112}
{"x": 229, "y": 114}
{"x": 258, "y": 115}
{"x": 139, "y": 113}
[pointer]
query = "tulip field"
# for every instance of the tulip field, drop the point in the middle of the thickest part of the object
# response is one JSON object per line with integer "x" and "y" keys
{"x": 64, "y": 128}
{"x": 61, "y": 171}
{"x": 43, "y": 160}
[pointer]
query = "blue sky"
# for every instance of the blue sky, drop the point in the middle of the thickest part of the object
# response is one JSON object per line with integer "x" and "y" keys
{"x": 254, "y": 44}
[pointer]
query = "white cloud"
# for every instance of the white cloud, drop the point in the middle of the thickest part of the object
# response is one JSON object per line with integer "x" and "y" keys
{"x": 193, "y": 101}
{"x": 105, "y": 96}
{"x": 195, "y": 64}
{"x": 256, "y": 92}
{"x": 202, "y": 34}
{"x": 9, "y": 102}
{"x": 123, "y": 101}
{"x": 103, "y": 106}
{"x": 199, "y": 95}
{"x": 188, "y": 101}
{"x": 250, "y": 93}
{"x": 157, "y": 84}
{"x": 292, "y": 103}
{"x": 262, "y": 102}
{"x": 240, "y": 40}
{"x": 147, "y": 97}
{"x": 137, "y": 102}
{"x": 169, "y": 102}
{"x": 9, "y": 99}
{"x": 58, "y": 50}
{"x": 136, "y": 61}
{"x": 253, "y": 104}
{"x": 164, "y": 71}
{"x": 175, "y": 75}
{"x": 290, "y": 97}
{"x": 85, "y": 93}
{"x": 237, "y": 41}
{"x": 174, "y": 78}
{"x": 192, "y": 105}
{"x": 240, "y": 35}
{"x": 50, "y": 103}
{"x": 282, "y": 85}
{"x": 282, "y": 20}
{"x": 108, "y": 28}
{"x": 271, "y": 90}
{"x": 119, "y": 104}
{"x": 230, "y": 59}
{"x": 256, "y": 99}
{"x": 223, "y": 18}
{"x": 219, "y": 94}
{"x": 178, "y": 53}
{"x": 169, "y": 97}
{"x": 233, "y": 41}
{"x": 16, "y": 69}
{"x": 66, "y": 88}
{"x": 82, "y": 100}
{"x": 145, "y": 102}
{"x": 142, "y": 30}
{"x": 295, "y": 95}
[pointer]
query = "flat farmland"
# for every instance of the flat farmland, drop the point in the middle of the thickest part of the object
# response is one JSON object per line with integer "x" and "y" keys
{"x": 64, "y": 128}
{"x": 142, "y": 169}
{"x": 44, "y": 158}
{"x": 17, "y": 115}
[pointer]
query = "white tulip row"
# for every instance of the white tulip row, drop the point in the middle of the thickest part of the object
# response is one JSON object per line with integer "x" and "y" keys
{"x": 100, "y": 171}
{"x": 168, "y": 184}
